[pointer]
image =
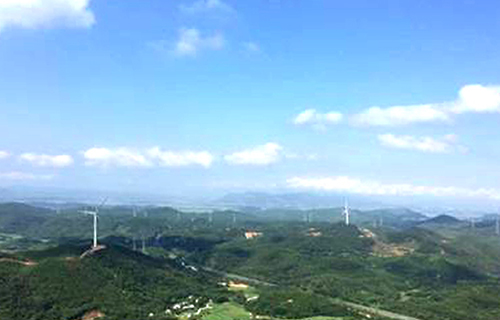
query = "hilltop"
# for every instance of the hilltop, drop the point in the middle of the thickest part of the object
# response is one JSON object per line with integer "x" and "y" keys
{"x": 442, "y": 219}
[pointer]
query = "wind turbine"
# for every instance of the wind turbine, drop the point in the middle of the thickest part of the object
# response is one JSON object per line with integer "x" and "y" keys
{"x": 95, "y": 213}
{"x": 346, "y": 213}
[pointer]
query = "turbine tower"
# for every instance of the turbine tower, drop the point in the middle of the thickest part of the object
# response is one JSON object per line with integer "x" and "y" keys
{"x": 346, "y": 213}
{"x": 94, "y": 213}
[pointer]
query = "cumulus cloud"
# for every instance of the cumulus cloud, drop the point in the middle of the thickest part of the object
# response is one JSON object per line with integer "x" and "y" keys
{"x": 357, "y": 186}
{"x": 126, "y": 157}
{"x": 179, "y": 159}
{"x": 316, "y": 119}
{"x": 4, "y": 154}
{"x": 22, "y": 176}
{"x": 400, "y": 115}
{"x": 203, "y": 6}
{"x": 445, "y": 144}
{"x": 33, "y": 14}
{"x": 471, "y": 98}
{"x": 122, "y": 157}
{"x": 477, "y": 98}
{"x": 45, "y": 160}
{"x": 261, "y": 155}
{"x": 191, "y": 42}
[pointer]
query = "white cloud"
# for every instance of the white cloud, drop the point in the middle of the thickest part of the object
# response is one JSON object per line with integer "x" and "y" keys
{"x": 45, "y": 13}
{"x": 400, "y": 115}
{"x": 304, "y": 156}
{"x": 356, "y": 186}
{"x": 316, "y": 119}
{"x": 126, "y": 157}
{"x": 471, "y": 98}
{"x": 4, "y": 154}
{"x": 191, "y": 41}
{"x": 122, "y": 157}
{"x": 45, "y": 160}
{"x": 262, "y": 155}
{"x": 178, "y": 159}
{"x": 477, "y": 98}
{"x": 202, "y": 6}
{"x": 22, "y": 176}
{"x": 445, "y": 144}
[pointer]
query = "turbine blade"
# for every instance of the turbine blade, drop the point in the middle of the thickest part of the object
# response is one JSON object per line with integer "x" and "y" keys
{"x": 103, "y": 202}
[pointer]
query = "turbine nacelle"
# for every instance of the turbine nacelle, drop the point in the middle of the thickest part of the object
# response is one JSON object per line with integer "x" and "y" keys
{"x": 92, "y": 213}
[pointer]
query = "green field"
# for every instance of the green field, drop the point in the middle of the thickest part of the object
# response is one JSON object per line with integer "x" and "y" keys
{"x": 234, "y": 311}
{"x": 227, "y": 311}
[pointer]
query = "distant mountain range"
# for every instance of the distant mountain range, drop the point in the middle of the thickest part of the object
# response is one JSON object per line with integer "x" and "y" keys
{"x": 293, "y": 201}
{"x": 50, "y": 197}
{"x": 443, "y": 219}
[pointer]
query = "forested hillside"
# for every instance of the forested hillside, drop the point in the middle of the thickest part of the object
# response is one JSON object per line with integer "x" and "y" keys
{"x": 432, "y": 269}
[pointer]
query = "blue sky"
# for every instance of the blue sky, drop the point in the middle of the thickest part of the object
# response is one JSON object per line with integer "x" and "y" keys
{"x": 207, "y": 96}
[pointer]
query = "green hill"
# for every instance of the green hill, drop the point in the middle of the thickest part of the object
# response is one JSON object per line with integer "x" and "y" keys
{"x": 120, "y": 283}
{"x": 19, "y": 217}
{"x": 441, "y": 219}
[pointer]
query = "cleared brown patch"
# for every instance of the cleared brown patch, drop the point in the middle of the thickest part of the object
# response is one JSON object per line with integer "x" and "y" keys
{"x": 237, "y": 285}
{"x": 93, "y": 314}
{"x": 387, "y": 250}
{"x": 92, "y": 250}
{"x": 366, "y": 233}
{"x": 252, "y": 234}
{"x": 312, "y": 232}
